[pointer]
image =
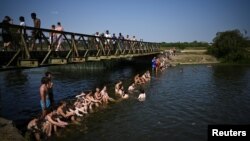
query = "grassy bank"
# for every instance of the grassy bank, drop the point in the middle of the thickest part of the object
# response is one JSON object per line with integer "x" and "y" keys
{"x": 186, "y": 48}
{"x": 193, "y": 56}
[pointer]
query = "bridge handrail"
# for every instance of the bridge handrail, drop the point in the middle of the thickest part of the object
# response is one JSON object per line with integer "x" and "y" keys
{"x": 66, "y": 32}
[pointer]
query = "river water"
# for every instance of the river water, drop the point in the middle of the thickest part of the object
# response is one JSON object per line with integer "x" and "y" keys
{"x": 181, "y": 101}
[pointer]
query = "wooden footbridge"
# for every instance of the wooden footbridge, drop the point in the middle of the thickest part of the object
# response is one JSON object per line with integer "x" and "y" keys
{"x": 76, "y": 48}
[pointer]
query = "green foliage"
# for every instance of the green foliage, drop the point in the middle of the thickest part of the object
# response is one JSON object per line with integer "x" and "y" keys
{"x": 230, "y": 46}
{"x": 183, "y": 45}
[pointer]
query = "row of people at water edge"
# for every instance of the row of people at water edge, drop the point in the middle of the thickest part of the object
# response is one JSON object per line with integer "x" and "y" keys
{"x": 161, "y": 62}
{"x": 113, "y": 39}
{"x": 36, "y": 33}
{"x": 73, "y": 111}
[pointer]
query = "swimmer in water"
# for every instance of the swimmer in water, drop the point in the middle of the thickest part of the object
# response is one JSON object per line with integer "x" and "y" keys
{"x": 131, "y": 87}
{"x": 118, "y": 86}
{"x": 142, "y": 95}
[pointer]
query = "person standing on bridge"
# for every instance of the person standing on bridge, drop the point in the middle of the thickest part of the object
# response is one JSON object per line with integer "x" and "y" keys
{"x": 52, "y": 37}
{"x": 97, "y": 40}
{"x": 6, "y": 35}
{"x": 36, "y": 33}
{"x": 107, "y": 41}
{"x": 127, "y": 42}
{"x": 121, "y": 40}
{"x": 22, "y": 31}
{"x": 114, "y": 42}
{"x": 59, "y": 36}
{"x": 133, "y": 39}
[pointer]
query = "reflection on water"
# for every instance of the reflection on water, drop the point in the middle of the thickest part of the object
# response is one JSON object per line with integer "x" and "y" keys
{"x": 181, "y": 101}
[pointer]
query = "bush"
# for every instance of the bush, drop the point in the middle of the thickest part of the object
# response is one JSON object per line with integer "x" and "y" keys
{"x": 229, "y": 46}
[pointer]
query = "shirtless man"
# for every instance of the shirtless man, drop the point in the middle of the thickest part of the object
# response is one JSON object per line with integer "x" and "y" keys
{"x": 131, "y": 87}
{"x": 123, "y": 94}
{"x": 117, "y": 87}
{"x": 50, "y": 89}
{"x": 36, "y": 33}
{"x": 105, "y": 96}
{"x": 35, "y": 127}
{"x": 137, "y": 79}
{"x": 45, "y": 103}
{"x": 64, "y": 113}
{"x": 53, "y": 120}
{"x": 93, "y": 101}
{"x": 98, "y": 95}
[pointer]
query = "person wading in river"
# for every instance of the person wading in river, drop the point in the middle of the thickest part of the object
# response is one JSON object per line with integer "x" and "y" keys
{"x": 50, "y": 89}
{"x": 45, "y": 103}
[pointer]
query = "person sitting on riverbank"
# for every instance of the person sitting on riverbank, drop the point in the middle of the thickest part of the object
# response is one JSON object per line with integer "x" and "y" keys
{"x": 137, "y": 79}
{"x": 142, "y": 78}
{"x": 35, "y": 127}
{"x": 118, "y": 86}
{"x": 121, "y": 93}
{"x": 98, "y": 95}
{"x": 77, "y": 108}
{"x": 93, "y": 101}
{"x": 86, "y": 102}
{"x": 131, "y": 87}
{"x": 62, "y": 111}
{"x": 80, "y": 105}
{"x": 53, "y": 120}
{"x": 81, "y": 95}
{"x": 119, "y": 90}
{"x": 105, "y": 96}
{"x": 147, "y": 75}
{"x": 124, "y": 94}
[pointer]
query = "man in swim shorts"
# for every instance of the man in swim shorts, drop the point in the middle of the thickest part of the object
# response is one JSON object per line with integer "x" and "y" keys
{"x": 50, "y": 89}
{"x": 45, "y": 103}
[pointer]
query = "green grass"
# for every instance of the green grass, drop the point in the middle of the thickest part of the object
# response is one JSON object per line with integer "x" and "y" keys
{"x": 186, "y": 48}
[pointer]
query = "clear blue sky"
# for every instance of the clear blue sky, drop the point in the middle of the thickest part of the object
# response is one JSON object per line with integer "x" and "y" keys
{"x": 152, "y": 20}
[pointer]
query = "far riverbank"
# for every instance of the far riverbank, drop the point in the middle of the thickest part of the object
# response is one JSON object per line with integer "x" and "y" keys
{"x": 193, "y": 56}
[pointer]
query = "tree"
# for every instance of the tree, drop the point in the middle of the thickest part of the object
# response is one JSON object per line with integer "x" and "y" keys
{"x": 230, "y": 46}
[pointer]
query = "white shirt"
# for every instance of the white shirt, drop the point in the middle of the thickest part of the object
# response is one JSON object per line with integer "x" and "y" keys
{"x": 107, "y": 36}
{"x": 97, "y": 39}
{"x": 142, "y": 97}
{"x": 22, "y": 24}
